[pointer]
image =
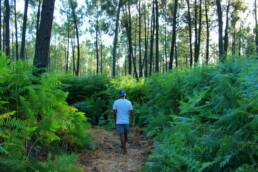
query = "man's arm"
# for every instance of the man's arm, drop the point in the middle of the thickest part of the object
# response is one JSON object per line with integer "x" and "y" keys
{"x": 131, "y": 118}
{"x": 114, "y": 114}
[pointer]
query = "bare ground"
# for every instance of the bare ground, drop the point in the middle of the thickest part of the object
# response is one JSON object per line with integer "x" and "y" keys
{"x": 108, "y": 156}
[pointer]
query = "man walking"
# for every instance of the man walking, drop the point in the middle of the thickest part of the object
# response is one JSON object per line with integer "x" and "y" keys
{"x": 123, "y": 114}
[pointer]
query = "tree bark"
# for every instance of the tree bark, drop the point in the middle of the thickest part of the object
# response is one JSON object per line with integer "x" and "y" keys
{"x": 68, "y": 47}
{"x": 73, "y": 57}
{"x": 256, "y": 26}
{"x": 199, "y": 33}
{"x": 157, "y": 36}
{"x": 190, "y": 33}
{"x": 0, "y": 26}
{"x": 220, "y": 31}
{"x": 24, "y": 28}
{"x": 38, "y": 17}
{"x": 140, "y": 46}
{"x": 152, "y": 38}
{"x": 207, "y": 53}
{"x": 129, "y": 36}
{"x": 77, "y": 38}
{"x": 101, "y": 54}
{"x": 197, "y": 30}
{"x": 115, "y": 40}
{"x": 226, "y": 28}
{"x": 7, "y": 27}
{"x": 97, "y": 44}
{"x": 41, "y": 59}
{"x": 173, "y": 42}
{"x": 145, "y": 43}
{"x": 16, "y": 32}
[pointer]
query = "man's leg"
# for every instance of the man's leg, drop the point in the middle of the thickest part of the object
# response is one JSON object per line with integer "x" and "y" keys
{"x": 123, "y": 143}
{"x": 126, "y": 138}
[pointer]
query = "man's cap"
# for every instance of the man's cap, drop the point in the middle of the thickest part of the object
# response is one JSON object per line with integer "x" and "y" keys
{"x": 122, "y": 93}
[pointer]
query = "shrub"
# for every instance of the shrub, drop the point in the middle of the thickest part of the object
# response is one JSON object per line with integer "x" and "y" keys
{"x": 34, "y": 114}
{"x": 209, "y": 121}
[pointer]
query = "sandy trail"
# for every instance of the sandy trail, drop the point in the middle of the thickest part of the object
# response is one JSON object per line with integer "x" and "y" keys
{"x": 108, "y": 156}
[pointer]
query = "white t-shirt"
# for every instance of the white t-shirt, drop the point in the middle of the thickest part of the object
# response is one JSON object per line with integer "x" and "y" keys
{"x": 123, "y": 107}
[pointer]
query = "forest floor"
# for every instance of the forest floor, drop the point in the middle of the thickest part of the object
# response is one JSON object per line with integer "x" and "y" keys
{"x": 108, "y": 155}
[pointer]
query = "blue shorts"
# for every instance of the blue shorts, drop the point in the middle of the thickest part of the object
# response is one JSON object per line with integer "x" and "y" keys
{"x": 122, "y": 128}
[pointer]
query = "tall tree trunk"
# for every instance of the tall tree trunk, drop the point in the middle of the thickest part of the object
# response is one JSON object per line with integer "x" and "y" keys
{"x": 97, "y": 44}
{"x": 140, "y": 40}
{"x": 173, "y": 42}
{"x": 77, "y": 38}
{"x": 145, "y": 43}
{"x": 176, "y": 55}
{"x": 115, "y": 39}
{"x": 190, "y": 32}
{"x": 24, "y": 28}
{"x": 38, "y": 17}
{"x": 68, "y": 47}
{"x": 7, "y": 27}
{"x": 256, "y": 26}
{"x": 0, "y": 26}
{"x": 234, "y": 41}
{"x": 101, "y": 54}
{"x": 165, "y": 40}
{"x": 157, "y": 36}
{"x": 240, "y": 41}
{"x": 220, "y": 31}
{"x": 207, "y": 33}
{"x": 152, "y": 37}
{"x": 41, "y": 59}
{"x": 129, "y": 36}
{"x": 16, "y": 32}
{"x": 73, "y": 57}
{"x": 199, "y": 32}
{"x": 226, "y": 28}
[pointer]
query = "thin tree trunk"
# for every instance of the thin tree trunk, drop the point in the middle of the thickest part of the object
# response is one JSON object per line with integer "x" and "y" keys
{"x": 190, "y": 33}
{"x": 157, "y": 36}
{"x": 145, "y": 43}
{"x": 101, "y": 54}
{"x": 152, "y": 38}
{"x": 7, "y": 27}
{"x": 234, "y": 41}
{"x": 256, "y": 25}
{"x": 226, "y": 28}
{"x": 77, "y": 38}
{"x": 115, "y": 40}
{"x": 16, "y": 32}
{"x": 24, "y": 28}
{"x": 165, "y": 40}
{"x": 140, "y": 46}
{"x": 199, "y": 32}
{"x": 73, "y": 57}
{"x": 207, "y": 53}
{"x": 41, "y": 59}
{"x": 97, "y": 44}
{"x": 0, "y": 26}
{"x": 220, "y": 31}
{"x": 129, "y": 35}
{"x": 173, "y": 42}
{"x": 240, "y": 41}
{"x": 68, "y": 47}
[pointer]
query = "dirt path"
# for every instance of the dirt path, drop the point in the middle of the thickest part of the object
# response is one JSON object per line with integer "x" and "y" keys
{"x": 108, "y": 156}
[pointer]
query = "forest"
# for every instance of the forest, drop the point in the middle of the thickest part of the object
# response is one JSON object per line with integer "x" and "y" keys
{"x": 189, "y": 67}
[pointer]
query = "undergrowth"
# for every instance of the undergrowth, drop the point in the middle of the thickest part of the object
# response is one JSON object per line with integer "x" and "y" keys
{"x": 36, "y": 121}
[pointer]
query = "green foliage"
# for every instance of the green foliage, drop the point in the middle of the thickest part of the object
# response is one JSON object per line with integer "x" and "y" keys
{"x": 91, "y": 94}
{"x": 35, "y": 115}
{"x": 205, "y": 118}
